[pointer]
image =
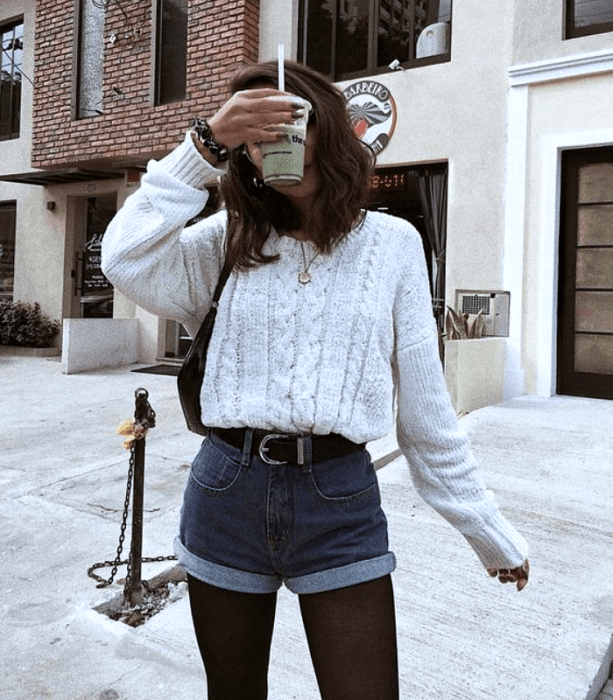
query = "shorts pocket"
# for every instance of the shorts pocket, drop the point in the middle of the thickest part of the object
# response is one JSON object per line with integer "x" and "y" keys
{"x": 345, "y": 478}
{"x": 213, "y": 471}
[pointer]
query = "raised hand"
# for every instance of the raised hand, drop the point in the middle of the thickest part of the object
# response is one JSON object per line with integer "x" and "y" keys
{"x": 247, "y": 117}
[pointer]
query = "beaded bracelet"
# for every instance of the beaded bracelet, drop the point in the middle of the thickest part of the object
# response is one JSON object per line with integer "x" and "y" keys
{"x": 205, "y": 136}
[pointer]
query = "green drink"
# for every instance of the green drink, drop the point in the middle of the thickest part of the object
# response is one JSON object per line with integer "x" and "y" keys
{"x": 283, "y": 161}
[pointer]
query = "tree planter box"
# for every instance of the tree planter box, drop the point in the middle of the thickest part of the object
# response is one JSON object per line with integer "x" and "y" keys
{"x": 19, "y": 351}
{"x": 474, "y": 370}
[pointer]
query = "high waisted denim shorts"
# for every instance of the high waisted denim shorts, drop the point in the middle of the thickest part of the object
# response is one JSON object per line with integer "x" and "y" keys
{"x": 250, "y": 526}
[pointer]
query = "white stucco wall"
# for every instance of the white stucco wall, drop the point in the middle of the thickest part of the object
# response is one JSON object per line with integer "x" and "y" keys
{"x": 573, "y": 111}
{"x": 539, "y": 33}
{"x": 95, "y": 343}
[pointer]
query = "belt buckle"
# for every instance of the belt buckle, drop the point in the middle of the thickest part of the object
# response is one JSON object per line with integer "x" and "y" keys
{"x": 262, "y": 449}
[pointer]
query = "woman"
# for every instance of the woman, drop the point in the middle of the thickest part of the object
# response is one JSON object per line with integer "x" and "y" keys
{"x": 302, "y": 371}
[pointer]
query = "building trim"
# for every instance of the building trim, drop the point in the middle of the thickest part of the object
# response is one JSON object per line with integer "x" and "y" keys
{"x": 550, "y": 70}
{"x": 513, "y": 256}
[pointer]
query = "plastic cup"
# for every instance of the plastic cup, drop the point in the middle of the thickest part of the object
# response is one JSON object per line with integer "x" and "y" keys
{"x": 283, "y": 161}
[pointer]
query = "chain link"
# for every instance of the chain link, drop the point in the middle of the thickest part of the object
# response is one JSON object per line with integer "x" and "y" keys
{"x": 145, "y": 416}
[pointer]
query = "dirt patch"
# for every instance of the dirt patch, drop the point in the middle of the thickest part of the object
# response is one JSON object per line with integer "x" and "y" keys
{"x": 159, "y": 592}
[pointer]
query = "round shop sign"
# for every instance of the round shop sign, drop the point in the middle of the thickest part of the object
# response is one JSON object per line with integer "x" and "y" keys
{"x": 373, "y": 112}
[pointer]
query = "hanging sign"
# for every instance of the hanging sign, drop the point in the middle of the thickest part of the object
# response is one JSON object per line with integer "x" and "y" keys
{"x": 373, "y": 112}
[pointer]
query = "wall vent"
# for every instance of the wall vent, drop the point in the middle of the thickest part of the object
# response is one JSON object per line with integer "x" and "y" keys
{"x": 493, "y": 305}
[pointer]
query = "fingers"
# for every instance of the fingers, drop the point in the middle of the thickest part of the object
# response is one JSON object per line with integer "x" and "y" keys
{"x": 524, "y": 574}
{"x": 267, "y": 99}
{"x": 519, "y": 575}
{"x": 250, "y": 116}
{"x": 521, "y": 584}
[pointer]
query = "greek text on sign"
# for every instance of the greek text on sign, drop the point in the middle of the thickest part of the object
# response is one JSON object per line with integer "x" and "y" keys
{"x": 373, "y": 112}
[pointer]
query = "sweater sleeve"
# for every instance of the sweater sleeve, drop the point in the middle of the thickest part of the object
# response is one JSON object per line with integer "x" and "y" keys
{"x": 442, "y": 465}
{"x": 150, "y": 255}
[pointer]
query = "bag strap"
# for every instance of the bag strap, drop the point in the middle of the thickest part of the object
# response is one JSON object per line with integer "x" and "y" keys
{"x": 209, "y": 319}
{"x": 189, "y": 380}
{"x": 221, "y": 283}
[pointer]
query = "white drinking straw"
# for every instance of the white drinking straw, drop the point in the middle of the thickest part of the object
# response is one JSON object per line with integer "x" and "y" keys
{"x": 281, "y": 68}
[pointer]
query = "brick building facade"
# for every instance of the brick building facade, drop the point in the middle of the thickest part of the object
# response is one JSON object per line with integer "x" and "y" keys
{"x": 132, "y": 128}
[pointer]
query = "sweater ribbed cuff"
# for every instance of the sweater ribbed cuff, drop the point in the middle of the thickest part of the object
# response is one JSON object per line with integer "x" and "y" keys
{"x": 498, "y": 544}
{"x": 186, "y": 164}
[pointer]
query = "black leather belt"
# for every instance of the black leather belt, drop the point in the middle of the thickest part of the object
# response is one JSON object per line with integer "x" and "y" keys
{"x": 277, "y": 448}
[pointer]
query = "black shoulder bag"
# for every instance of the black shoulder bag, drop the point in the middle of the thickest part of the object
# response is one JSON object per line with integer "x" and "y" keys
{"x": 191, "y": 373}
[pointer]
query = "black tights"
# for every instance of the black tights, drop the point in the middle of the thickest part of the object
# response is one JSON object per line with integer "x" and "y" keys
{"x": 351, "y": 634}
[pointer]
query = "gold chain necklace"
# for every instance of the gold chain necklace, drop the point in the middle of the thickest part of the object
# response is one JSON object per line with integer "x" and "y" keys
{"x": 304, "y": 276}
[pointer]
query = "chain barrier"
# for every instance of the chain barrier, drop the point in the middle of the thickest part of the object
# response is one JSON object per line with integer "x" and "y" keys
{"x": 144, "y": 419}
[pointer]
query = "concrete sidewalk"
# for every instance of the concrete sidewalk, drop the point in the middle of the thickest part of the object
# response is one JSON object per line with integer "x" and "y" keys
{"x": 461, "y": 634}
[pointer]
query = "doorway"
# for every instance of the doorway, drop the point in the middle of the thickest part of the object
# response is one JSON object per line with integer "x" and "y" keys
{"x": 585, "y": 296}
{"x": 92, "y": 292}
{"x": 418, "y": 194}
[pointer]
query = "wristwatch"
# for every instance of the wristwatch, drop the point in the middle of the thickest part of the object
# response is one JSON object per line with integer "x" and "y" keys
{"x": 205, "y": 136}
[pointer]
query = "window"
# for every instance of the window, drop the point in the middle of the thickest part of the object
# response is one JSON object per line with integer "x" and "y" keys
{"x": 11, "y": 36}
{"x": 588, "y": 17}
{"x": 171, "y": 51}
{"x": 90, "y": 59}
{"x": 8, "y": 212}
{"x": 350, "y": 38}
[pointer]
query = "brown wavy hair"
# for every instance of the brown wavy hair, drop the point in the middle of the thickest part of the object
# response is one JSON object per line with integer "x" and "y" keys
{"x": 344, "y": 162}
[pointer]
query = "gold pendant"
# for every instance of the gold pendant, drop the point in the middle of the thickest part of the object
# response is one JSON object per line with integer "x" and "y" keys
{"x": 304, "y": 277}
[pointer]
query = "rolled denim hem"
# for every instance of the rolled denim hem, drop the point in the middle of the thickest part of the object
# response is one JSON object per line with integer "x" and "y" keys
{"x": 249, "y": 582}
{"x": 224, "y": 576}
{"x": 342, "y": 576}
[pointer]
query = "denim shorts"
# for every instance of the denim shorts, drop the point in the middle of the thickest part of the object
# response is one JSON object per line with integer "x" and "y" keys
{"x": 250, "y": 526}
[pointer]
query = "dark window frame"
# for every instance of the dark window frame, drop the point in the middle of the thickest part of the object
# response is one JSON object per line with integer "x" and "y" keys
{"x": 372, "y": 67}
{"x": 14, "y": 86}
{"x": 169, "y": 87}
{"x": 572, "y": 31}
{"x": 10, "y": 207}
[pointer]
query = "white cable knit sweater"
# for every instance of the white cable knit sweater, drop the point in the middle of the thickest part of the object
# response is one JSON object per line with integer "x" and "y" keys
{"x": 323, "y": 357}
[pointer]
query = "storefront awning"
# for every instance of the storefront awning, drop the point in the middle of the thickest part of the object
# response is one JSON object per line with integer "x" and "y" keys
{"x": 62, "y": 177}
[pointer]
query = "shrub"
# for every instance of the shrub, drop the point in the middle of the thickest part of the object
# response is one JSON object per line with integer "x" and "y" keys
{"x": 23, "y": 324}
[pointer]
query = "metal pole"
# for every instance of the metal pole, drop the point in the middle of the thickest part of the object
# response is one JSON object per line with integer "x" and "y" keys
{"x": 144, "y": 418}
{"x": 135, "y": 592}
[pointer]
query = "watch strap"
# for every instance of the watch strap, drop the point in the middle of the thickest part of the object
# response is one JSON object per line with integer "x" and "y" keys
{"x": 203, "y": 131}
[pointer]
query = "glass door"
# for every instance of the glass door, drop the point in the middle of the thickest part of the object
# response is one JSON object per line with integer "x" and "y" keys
{"x": 92, "y": 292}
